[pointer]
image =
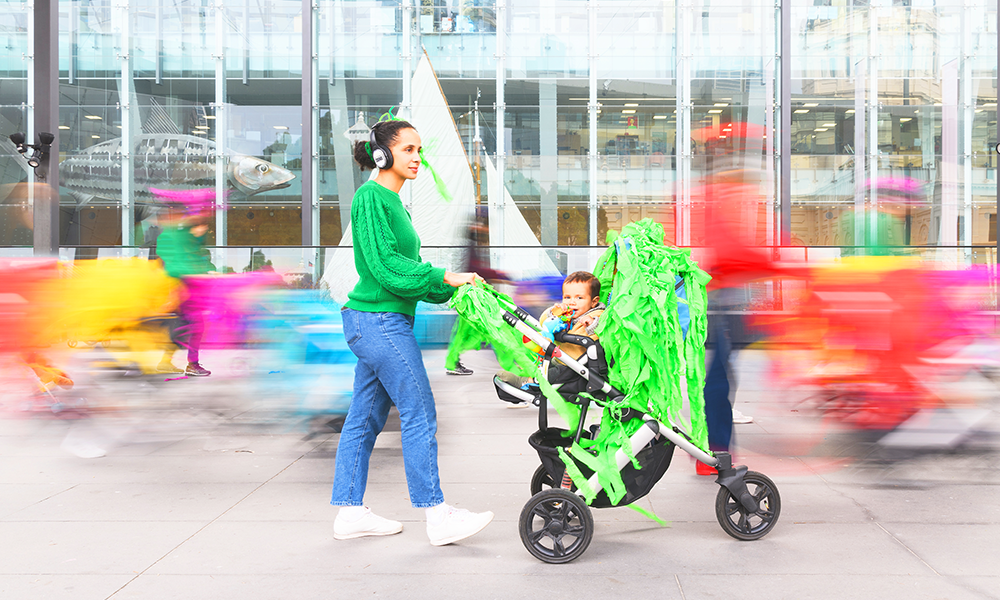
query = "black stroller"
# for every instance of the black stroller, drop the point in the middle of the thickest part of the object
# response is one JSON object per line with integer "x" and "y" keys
{"x": 556, "y": 525}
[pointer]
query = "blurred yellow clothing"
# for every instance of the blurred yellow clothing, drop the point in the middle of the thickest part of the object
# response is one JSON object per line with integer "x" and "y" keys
{"x": 107, "y": 299}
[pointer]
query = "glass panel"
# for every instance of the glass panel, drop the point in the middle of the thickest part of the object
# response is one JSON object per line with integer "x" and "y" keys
{"x": 16, "y": 196}
{"x": 160, "y": 115}
{"x": 894, "y": 119}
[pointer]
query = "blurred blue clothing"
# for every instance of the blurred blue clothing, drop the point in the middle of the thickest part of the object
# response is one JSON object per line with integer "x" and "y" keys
{"x": 390, "y": 371}
{"x": 719, "y": 382}
{"x": 718, "y": 410}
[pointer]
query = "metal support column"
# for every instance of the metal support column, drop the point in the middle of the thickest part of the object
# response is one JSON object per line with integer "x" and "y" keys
{"x": 592, "y": 106}
{"x": 130, "y": 126}
{"x": 548, "y": 115}
{"x": 501, "y": 132}
{"x": 785, "y": 147}
{"x": 406, "y": 60}
{"x": 221, "y": 127}
{"x": 310, "y": 125}
{"x": 44, "y": 117}
{"x": 682, "y": 145}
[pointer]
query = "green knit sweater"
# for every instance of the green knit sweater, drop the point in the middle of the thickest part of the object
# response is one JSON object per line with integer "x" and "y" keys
{"x": 387, "y": 256}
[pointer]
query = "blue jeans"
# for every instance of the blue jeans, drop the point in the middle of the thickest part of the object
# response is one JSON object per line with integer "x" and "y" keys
{"x": 390, "y": 371}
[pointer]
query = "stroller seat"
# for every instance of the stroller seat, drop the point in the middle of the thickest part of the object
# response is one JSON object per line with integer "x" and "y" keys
{"x": 518, "y": 390}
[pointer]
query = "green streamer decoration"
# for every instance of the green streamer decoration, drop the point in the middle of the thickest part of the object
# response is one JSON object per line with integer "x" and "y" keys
{"x": 659, "y": 369}
{"x": 438, "y": 182}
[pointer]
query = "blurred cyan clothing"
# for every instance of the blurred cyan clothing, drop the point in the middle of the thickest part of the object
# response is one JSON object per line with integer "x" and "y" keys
{"x": 390, "y": 371}
{"x": 387, "y": 256}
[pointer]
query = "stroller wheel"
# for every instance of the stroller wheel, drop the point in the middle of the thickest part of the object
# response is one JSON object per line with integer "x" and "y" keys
{"x": 742, "y": 524}
{"x": 541, "y": 480}
{"x": 556, "y": 526}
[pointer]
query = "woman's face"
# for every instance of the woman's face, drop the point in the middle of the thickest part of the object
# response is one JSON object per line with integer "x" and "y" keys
{"x": 406, "y": 153}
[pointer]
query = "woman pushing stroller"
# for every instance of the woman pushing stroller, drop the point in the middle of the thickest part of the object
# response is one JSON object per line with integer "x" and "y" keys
{"x": 378, "y": 325}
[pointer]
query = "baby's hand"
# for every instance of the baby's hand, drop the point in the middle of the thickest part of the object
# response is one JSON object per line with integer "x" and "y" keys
{"x": 586, "y": 320}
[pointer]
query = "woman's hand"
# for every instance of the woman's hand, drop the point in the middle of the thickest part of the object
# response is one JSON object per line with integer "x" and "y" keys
{"x": 459, "y": 279}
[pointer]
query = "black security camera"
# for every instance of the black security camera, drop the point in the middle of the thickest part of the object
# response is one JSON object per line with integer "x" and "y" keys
{"x": 36, "y": 154}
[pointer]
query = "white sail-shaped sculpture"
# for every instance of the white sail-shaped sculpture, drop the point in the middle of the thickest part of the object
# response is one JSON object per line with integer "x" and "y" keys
{"x": 441, "y": 224}
{"x": 521, "y": 259}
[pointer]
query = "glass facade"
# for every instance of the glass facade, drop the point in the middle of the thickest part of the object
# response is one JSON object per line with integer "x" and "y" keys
{"x": 594, "y": 114}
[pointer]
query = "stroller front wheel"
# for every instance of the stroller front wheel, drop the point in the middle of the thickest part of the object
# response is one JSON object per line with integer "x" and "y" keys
{"x": 742, "y": 524}
{"x": 556, "y": 526}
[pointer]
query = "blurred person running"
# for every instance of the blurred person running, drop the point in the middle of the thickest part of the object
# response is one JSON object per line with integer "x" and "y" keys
{"x": 477, "y": 260}
{"x": 378, "y": 325}
{"x": 181, "y": 248}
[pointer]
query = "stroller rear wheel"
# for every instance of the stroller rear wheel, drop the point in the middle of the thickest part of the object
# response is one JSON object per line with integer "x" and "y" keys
{"x": 742, "y": 524}
{"x": 556, "y": 526}
{"x": 541, "y": 480}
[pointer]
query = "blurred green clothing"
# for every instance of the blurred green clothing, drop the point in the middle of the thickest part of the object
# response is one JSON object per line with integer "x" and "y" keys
{"x": 183, "y": 253}
{"x": 887, "y": 239}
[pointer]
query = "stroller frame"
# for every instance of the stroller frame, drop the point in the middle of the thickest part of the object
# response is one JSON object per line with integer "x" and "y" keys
{"x": 556, "y": 524}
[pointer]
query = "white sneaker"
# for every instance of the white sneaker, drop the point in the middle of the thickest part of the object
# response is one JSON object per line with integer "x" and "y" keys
{"x": 740, "y": 418}
{"x": 368, "y": 524}
{"x": 457, "y": 524}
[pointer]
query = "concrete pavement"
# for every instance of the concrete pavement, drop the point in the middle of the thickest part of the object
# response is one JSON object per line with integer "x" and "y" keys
{"x": 240, "y": 510}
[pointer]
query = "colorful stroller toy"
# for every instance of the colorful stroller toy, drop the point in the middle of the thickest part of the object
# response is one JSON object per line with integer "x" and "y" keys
{"x": 660, "y": 363}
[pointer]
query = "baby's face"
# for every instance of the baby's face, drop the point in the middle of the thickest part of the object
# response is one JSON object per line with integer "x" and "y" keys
{"x": 577, "y": 296}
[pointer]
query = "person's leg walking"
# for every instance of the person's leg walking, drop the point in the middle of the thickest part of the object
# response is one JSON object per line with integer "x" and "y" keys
{"x": 404, "y": 376}
{"x": 365, "y": 419}
{"x": 718, "y": 410}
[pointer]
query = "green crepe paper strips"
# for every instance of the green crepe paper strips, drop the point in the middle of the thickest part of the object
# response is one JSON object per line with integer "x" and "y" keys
{"x": 480, "y": 308}
{"x": 649, "y": 515}
{"x": 438, "y": 182}
{"x": 658, "y": 367}
{"x": 654, "y": 363}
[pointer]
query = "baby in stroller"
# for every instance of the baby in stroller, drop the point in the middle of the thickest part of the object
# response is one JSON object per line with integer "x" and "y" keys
{"x": 577, "y": 315}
